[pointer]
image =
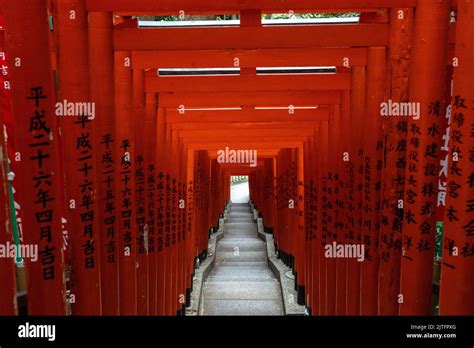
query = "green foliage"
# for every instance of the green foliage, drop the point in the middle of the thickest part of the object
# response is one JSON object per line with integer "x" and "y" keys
{"x": 166, "y": 18}
{"x": 191, "y": 18}
{"x": 235, "y": 180}
{"x": 269, "y": 16}
{"x": 439, "y": 239}
{"x": 312, "y": 15}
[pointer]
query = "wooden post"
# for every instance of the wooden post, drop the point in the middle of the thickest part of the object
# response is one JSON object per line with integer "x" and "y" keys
{"x": 161, "y": 211}
{"x": 324, "y": 214}
{"x": 372, "y": 171}
{"x": 457, "y": 284}
{"x": 300, "y": 240}
{"x": 394, "y": 165}
{"x": 427, "y": 76}
{"x": 140, "y": 187}
{"x": 102, "y": 94}
{"x": 33, "y": 104}
{"x": 125, "y": 168}
{"x": 79, "y": 156}
{"x": 356, "y": 123}
{"x": 8, "y": 300}
{"x": 151, "y": 173}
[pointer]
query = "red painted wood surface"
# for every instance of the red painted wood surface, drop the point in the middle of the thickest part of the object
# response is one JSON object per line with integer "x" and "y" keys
{"x": 456, "y": 271}
{"x": 330, "y": 168}
{"x": 101, "y": 73}
{"x": 427, "y": 70}
{"x": 33, "y": 105}
{"x": 79, "y": 158}
{"x": 125, "y": 167}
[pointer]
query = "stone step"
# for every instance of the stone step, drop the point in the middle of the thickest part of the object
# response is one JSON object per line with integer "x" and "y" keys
{"x": 243, "y": 256}
{"x": 235, "y": 235}
{"x": 248, "y": 220}
{"x": 255, "y": 267}
{"x": 250, "y": 234}
{"x": 242, "y": 277}
{"x": 242, "y": 264}
{"x": 241, "y": 228}
{"x": 241, "y": 284}
{"x": 235, "y": 215}
{"x": 241, "y": 290}
{"x": 242, "y": 307}
{"x": 239, "y": 235}
{"x": 242, "y": 245}
{"x": 242, "y": 210}
{"x": 238, "y": 224}
{"x": 250, "y": 270}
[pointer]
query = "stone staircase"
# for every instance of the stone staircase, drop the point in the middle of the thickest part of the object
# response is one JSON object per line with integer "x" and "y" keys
{"x": 241, "y": 283}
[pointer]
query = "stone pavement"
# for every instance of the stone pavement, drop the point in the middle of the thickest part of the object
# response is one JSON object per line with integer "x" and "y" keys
{"x": 241, "y": 283}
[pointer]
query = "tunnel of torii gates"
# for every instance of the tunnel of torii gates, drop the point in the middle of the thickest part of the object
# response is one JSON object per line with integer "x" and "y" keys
{"x": 141, "y": 187}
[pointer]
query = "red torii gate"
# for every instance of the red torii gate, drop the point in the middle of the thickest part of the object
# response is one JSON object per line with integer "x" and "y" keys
{"x": 137, "y": 130}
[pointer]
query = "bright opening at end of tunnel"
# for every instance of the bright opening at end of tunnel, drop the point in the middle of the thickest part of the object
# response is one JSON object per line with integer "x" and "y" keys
{"x": 239, "y": 189}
